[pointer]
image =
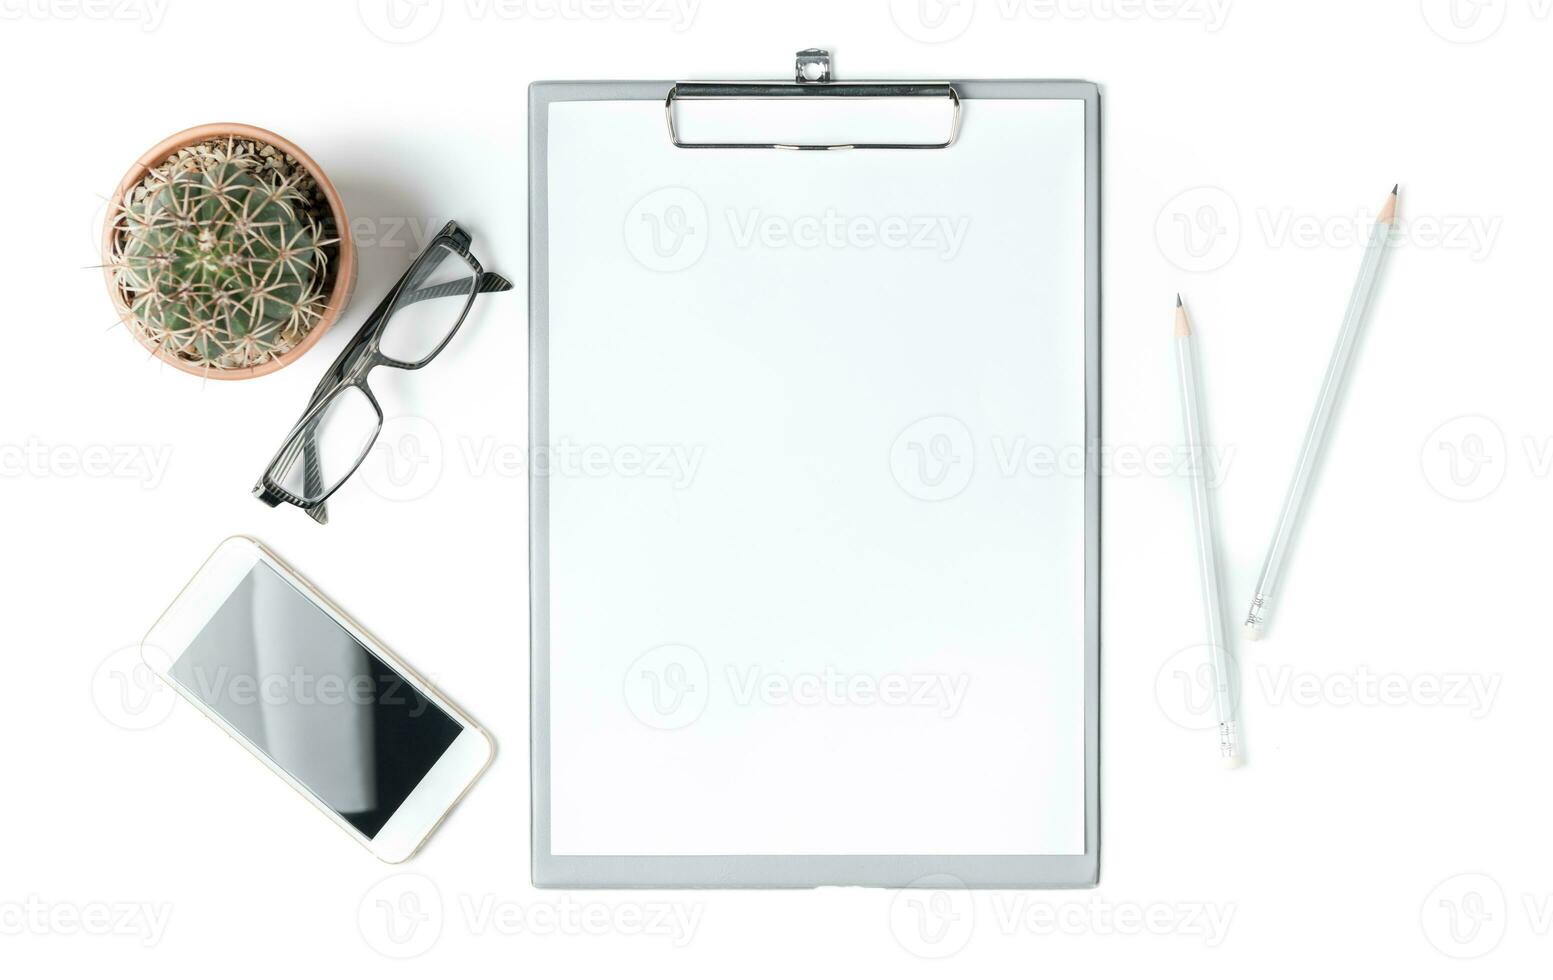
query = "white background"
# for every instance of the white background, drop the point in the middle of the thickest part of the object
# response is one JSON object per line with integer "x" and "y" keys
{"x": 1364, "y": 821}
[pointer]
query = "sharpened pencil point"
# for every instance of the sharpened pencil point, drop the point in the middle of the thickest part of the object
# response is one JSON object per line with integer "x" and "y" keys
{"x": 1179, "y": 304}
{"x": 1183, "y": 325}
{"x": 1394, "y": 188}
{"x": 1388, "y": 212}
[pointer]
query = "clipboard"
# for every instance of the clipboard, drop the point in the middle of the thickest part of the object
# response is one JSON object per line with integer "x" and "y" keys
{"x": 814, "y": 543}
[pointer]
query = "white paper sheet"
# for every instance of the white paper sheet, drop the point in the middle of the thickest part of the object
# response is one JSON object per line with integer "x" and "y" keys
{"x": 816, "y": 490}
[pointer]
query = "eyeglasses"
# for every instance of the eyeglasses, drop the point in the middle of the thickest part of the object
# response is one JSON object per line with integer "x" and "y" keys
{"x": 412, "y": 325}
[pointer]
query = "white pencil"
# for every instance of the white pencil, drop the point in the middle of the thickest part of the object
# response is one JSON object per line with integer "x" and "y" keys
{"x": 1207, "y": 540}
{"x": 1321, "y": 418}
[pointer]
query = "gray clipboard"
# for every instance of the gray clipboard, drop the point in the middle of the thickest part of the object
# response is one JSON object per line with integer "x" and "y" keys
{"x": 557, "y": 858}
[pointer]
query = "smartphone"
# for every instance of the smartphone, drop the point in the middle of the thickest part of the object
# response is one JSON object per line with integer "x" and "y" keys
{"x": 264, "y": 655}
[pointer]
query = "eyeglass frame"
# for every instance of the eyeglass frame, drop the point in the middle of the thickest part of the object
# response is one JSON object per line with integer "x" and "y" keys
{"x": 361, "y": 354}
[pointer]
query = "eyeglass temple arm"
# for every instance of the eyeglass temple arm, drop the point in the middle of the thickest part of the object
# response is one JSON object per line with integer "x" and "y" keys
{"x": 312, "y": 479}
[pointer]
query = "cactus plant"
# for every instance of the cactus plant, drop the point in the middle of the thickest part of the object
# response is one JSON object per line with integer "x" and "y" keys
{"x": 219, "y": 256}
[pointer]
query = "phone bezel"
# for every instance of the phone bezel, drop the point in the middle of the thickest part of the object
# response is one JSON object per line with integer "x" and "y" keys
{"x": 438, "y": 791}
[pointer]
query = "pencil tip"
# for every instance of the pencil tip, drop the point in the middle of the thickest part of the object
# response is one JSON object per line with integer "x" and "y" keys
{"x": 1179, "y": 304}
{"x": 1394, "y": 188}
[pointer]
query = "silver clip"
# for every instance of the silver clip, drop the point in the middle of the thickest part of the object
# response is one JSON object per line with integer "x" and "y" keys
{"x": 813, "y": 66}
{"x": 812, "y": 79}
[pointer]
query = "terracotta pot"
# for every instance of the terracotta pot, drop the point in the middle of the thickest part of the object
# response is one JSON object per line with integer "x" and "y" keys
{"x": 344, "y": 263}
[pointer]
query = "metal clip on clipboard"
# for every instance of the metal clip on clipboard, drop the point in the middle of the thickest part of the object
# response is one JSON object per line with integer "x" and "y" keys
{"x": 812, "y": 80}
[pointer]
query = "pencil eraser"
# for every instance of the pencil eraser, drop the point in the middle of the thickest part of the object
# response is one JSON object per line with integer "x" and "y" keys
{"x": 1234, "y": 762}
{"x": 1252, "y": 632}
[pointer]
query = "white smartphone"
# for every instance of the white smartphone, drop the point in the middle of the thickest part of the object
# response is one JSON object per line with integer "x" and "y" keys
{"x": 310, "y": 693}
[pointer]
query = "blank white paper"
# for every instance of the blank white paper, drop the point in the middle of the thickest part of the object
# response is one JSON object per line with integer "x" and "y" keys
{"x": 816, "y": 490}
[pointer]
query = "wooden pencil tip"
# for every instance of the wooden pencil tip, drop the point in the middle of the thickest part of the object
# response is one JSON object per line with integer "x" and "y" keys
{"x": 1388, "y": 213}
{"x": 1179, "y": 304}
{"x": 1394, "y": 188}
{"x": 1183, "y": 325}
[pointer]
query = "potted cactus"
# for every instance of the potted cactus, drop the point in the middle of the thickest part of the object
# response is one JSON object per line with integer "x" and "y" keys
{"x": 226, "y": 251}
